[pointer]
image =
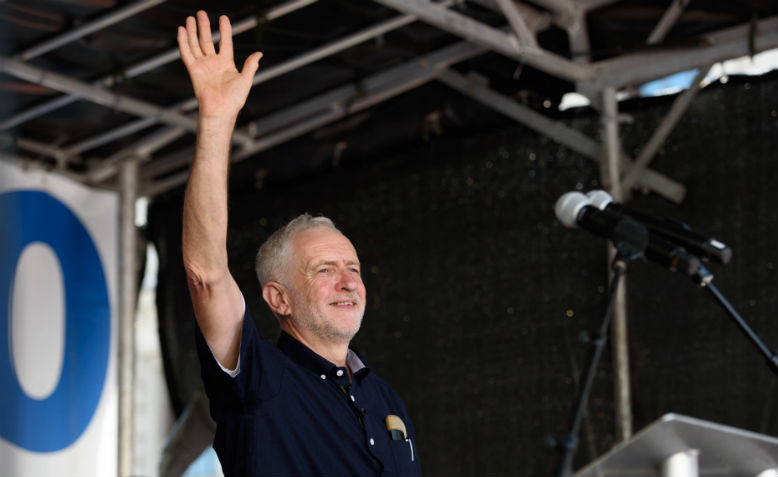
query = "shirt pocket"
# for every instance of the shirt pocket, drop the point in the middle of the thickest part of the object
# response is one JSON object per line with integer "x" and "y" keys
{"x": 406, "y": 459}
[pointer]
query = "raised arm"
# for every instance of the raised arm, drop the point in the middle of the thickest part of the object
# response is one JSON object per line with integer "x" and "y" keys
{"x": 221, "y": 91}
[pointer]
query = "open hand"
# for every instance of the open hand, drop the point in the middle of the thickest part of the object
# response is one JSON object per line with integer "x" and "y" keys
{"x": 220, "y": 88}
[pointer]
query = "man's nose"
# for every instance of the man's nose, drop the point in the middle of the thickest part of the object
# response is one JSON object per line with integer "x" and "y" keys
{"x": 348, "y": 280}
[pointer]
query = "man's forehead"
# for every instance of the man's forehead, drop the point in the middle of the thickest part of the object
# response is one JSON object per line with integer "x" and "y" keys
{"x": 323, "y": 244}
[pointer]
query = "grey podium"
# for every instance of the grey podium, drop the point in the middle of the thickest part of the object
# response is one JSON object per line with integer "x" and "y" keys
{"x": 682, "y": 446}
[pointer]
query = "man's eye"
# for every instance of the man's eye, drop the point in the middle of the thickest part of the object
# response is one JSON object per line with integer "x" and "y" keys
{"x": 324, "y": 270}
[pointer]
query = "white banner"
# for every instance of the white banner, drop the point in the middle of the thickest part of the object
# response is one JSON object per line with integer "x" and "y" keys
{"x": 58, "y": 282}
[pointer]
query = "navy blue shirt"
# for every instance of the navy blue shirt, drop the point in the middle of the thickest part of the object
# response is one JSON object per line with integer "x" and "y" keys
{"x": 291, "y": 412}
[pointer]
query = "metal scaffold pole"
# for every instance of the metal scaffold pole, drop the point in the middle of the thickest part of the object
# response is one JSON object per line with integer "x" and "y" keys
{"x": 128, "y": 179}
{"x": 610, "y": 172}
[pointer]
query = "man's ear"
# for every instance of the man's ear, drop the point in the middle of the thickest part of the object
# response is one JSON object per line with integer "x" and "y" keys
{"x": 277, "y": 298}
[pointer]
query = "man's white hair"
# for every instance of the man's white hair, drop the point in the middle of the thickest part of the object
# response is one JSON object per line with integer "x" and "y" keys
{"x": 272, "y": 256}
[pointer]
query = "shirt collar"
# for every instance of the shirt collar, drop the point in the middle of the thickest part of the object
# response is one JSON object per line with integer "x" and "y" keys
{"x": 306, "y": 357}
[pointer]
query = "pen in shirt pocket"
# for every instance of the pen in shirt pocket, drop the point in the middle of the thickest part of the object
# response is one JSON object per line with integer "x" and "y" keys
{"x": 397, "y": 432}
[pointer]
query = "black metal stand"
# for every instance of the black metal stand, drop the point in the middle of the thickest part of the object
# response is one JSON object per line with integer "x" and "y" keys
{"x": 570, "y": 443}
{"x": 705, "y": 279}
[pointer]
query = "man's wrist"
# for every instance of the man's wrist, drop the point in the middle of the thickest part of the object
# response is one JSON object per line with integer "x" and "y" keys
{"x": 220, "y": 120}
{"x": 216, "y": 125}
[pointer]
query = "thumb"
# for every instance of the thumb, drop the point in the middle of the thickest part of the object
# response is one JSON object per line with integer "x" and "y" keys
{"x": 251, "y": 65}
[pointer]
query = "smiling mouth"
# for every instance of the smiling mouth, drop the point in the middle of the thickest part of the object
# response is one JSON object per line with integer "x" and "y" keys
{"x": 344, "y": 303}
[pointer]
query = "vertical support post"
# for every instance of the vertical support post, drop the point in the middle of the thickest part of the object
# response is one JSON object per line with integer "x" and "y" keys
{"x": 128, "y": 179}
{"x": 610, "y": 175}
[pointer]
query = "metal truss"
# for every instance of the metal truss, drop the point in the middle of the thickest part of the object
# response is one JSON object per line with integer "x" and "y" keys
{"x": 519, "y": 42}
{"x": 476, "y": 87}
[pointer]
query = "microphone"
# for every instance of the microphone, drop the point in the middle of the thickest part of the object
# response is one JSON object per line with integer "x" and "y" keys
{"x": 574, "y": 209}
{"x": 397, "y": 432}
{"x": 707, "y": 248}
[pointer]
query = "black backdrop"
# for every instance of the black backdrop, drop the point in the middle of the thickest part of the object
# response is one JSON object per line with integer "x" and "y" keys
{"x": 478, "y": 297}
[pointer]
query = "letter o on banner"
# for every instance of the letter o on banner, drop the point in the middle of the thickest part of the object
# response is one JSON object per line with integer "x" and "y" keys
{"x": 54, "y": 423}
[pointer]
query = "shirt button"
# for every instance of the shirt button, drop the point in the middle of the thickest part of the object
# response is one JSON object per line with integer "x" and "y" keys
{"x": 323, "y": 376}
{"x": 340, "y": 372}
{"x": 353, "y": 399}
{"x": 372, "y": 442}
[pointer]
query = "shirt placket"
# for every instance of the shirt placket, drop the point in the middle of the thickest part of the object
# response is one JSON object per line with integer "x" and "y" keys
{"x": 351, "y": 393}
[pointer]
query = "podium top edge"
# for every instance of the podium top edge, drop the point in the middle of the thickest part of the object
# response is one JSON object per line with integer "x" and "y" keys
{"x": 723, "y": 450}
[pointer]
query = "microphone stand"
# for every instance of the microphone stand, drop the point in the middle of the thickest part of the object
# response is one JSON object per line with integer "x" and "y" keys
{"x": 625, "y": 252}
{"x": 704, "y": 278}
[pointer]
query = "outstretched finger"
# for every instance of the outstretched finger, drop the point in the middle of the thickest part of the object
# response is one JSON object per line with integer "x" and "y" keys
{"x": 191, "y": 35}
{"x": 225, "y": 42}
{"x": 206, "y": 40}
{"x": 183, "y": 47}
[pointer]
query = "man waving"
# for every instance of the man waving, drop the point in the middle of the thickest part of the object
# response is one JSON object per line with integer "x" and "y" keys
{"x": 308, "y": 405}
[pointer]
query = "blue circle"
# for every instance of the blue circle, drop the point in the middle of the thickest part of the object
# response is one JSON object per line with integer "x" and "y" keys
{"x": 53, "y": 423}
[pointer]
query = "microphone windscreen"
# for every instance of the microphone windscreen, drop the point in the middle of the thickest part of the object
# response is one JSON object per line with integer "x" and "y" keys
{"x": 394, "y": 423}
{"x": 568, "y": 206}
{"x": 599, "y": 198}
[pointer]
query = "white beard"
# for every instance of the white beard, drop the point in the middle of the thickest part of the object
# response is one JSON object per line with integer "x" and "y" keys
{"x": 310, "y": 318}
